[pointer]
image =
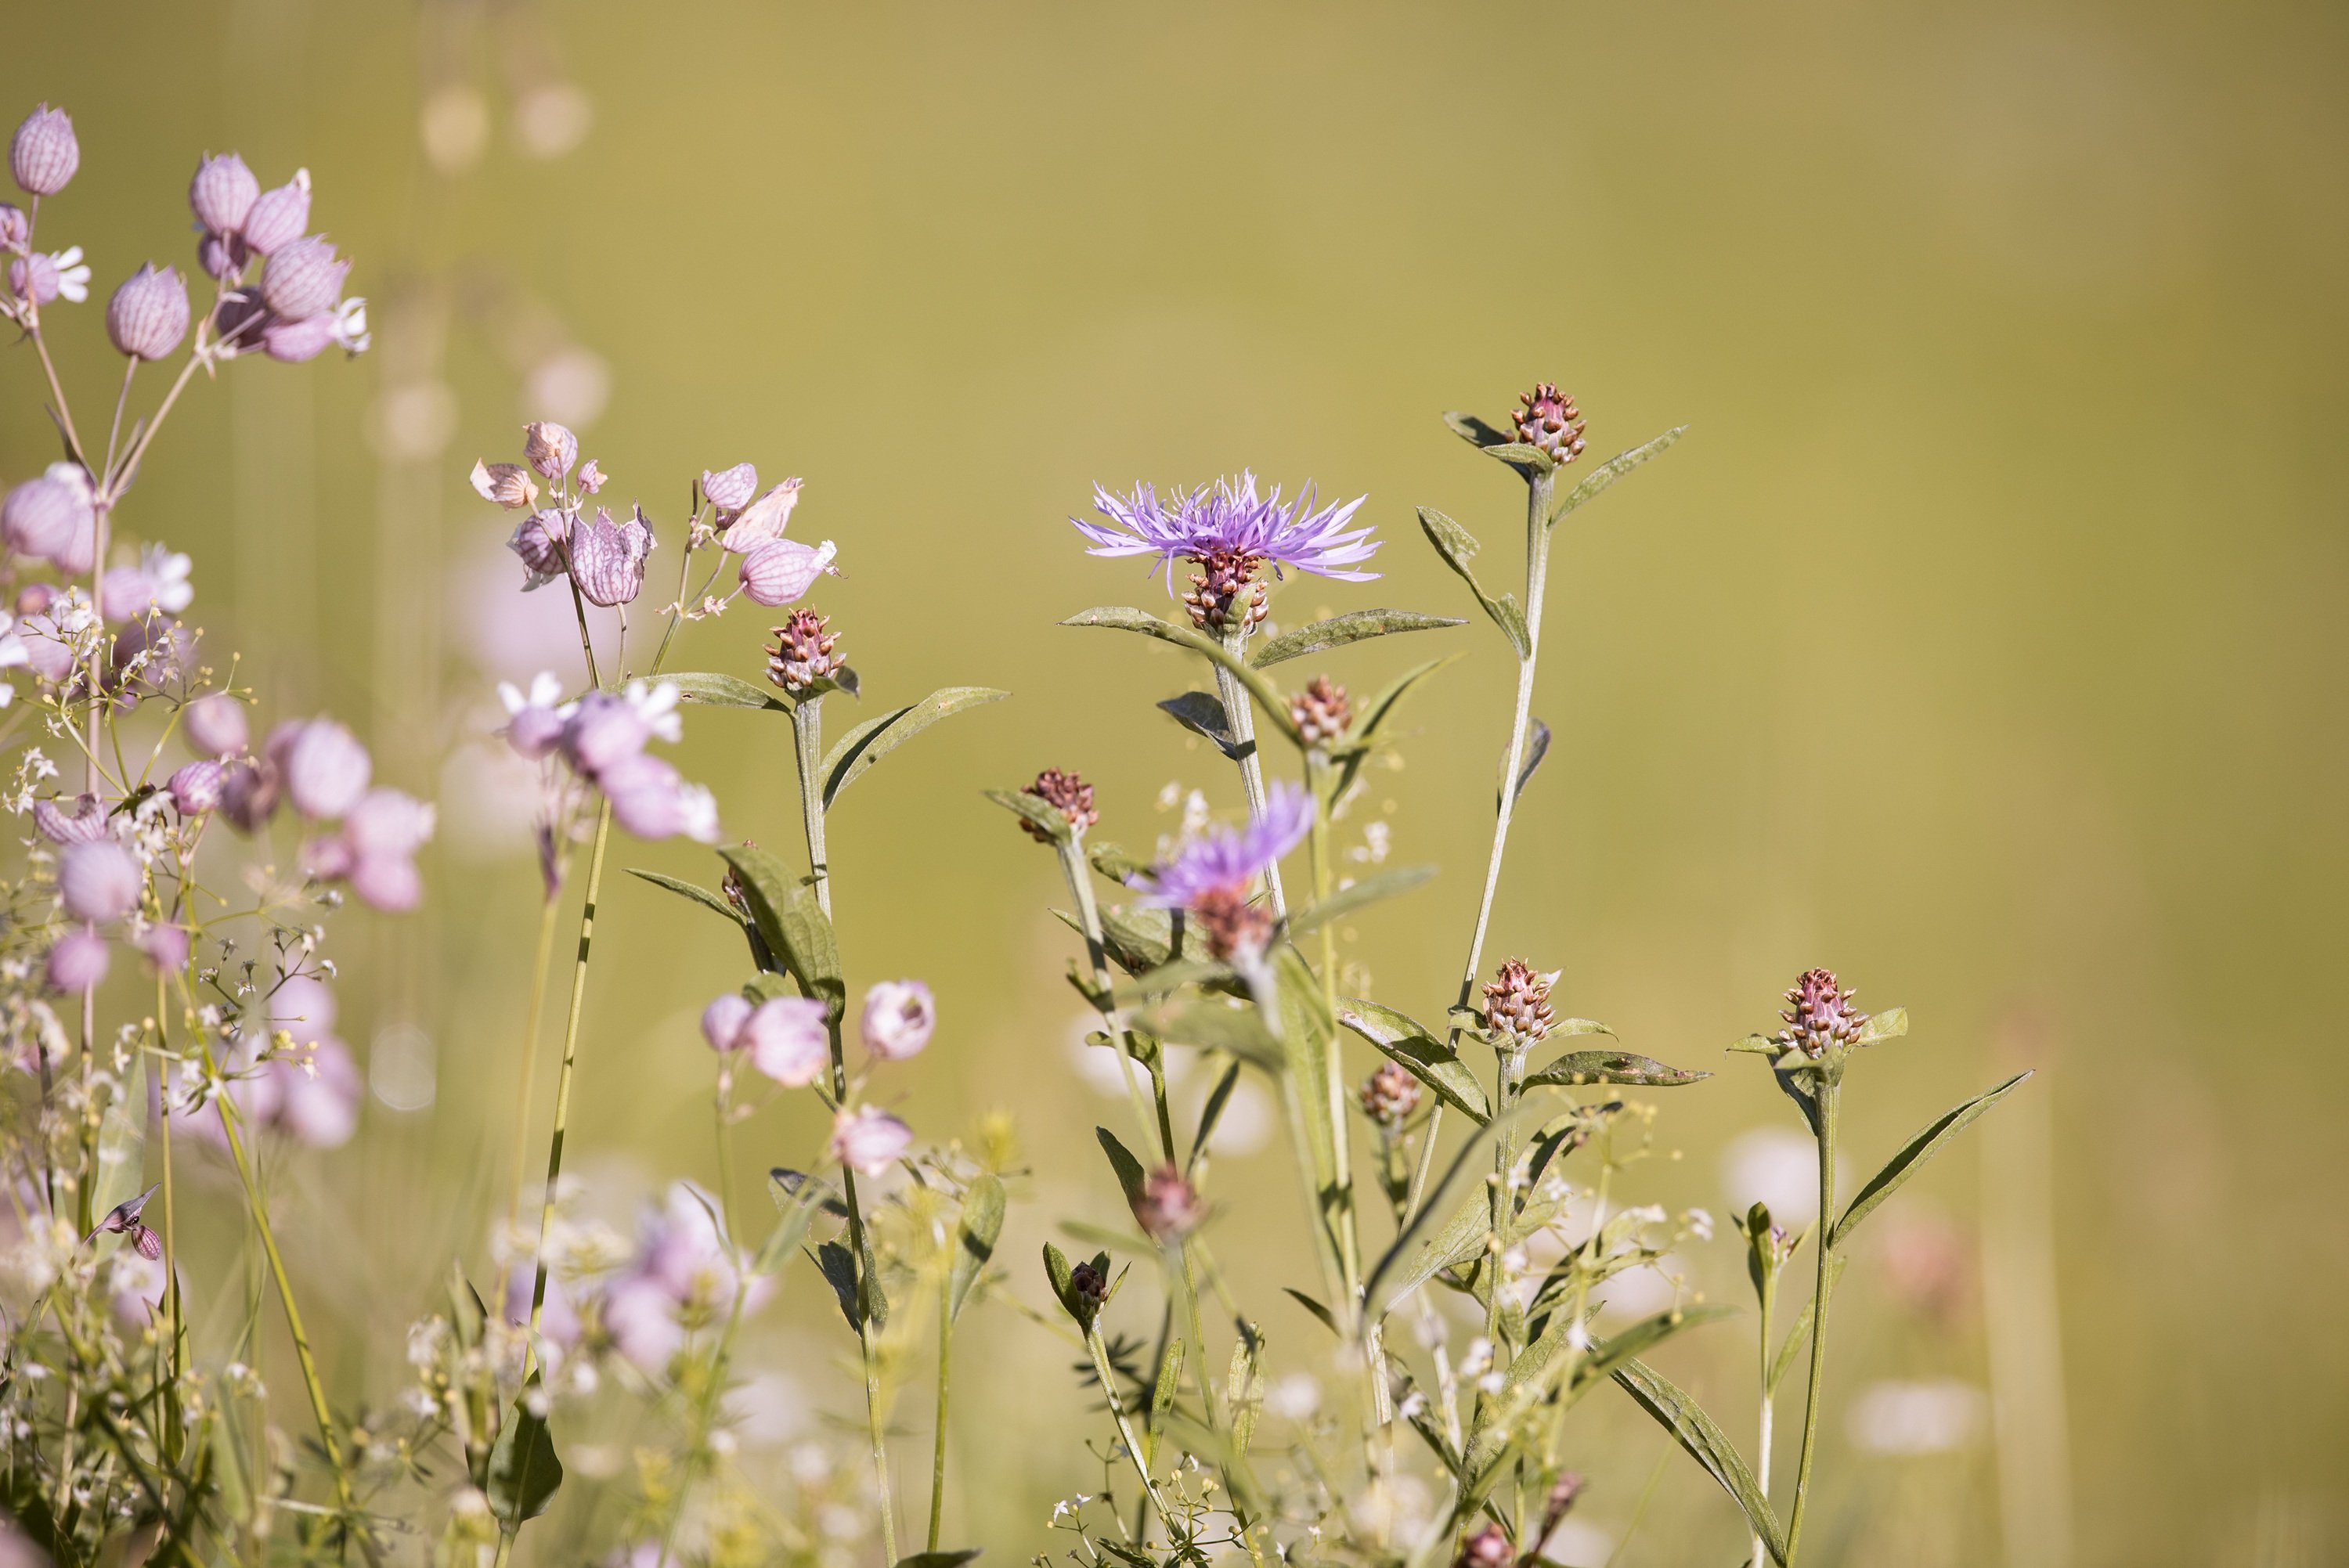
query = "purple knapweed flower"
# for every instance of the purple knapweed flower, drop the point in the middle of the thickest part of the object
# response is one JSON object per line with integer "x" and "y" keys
{"x": 1230, "y": 519}
{"x": 78, "y": 962}
{"x": 731, "y": 490}
{"x": 788, "y": 1041}
{"x": 899, "y": 1018}
{"x": 607, "y": 559}
{"x": 148, "y": 315}
{"x": 305, "y": 279}
{"x": 43, "y": 155}
{"x": 98, "y": 880}
{"x": 84, "y": 823}
{"x": 222, "y": 191}
{"x": 277, "y": 218}
{"x": 216, "y": 724}
{"x": 761, "y": 519}
{"x": 536, "y": 719}
{"x": 1210, "y": 876}
{"x": 780, "y": 570}
{"x": 868, "y": 1139}
{"x": 326, "y": 768}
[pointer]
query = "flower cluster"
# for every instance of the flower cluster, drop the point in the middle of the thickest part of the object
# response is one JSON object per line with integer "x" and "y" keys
{"x": 1233, "y": 533}
{"x": 601, "y": 739}
{"x": 1212, "y": 876}
{"x": 1819, "y": 1016}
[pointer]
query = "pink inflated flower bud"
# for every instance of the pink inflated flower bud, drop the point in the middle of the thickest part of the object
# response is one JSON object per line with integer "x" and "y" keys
{"x": 222, "y": 191}
{"x": 43, "y": 155}
{"x": 42, "y": 517}
{"x": 148, "y": 315}
{"x": 221, "y": 255}
{"x": 198, "y": 787}
{"x": 549, "y": 448}
{"x": 85, "y": 822}
{"x": 78, "y": 962}
{"x": 47, "y": 652}
{"x": 277, "y": 218}
{"x": 607, "y": 560}
{"x": 321, "y": 1106}
{"x": 763, "y": 519}
{"x": 781, "y": 571}
{"x": 787, "y": 1040}
{"x": 899, "y": 1015}
{"x": 297, "y": 342}
{"x": 99, "y": 879}
{"x": 327, "y": 770}
{"x": 250, "y": 791}
{"x": 722, "y": 1022}
{"x": 16, "y": 229}
{"x": 165, "y": 946}
{"x": 387, "y": 882}
{"x": 731, "y": 490}
{"x": 305, "y": 279}
{"x": 868, "y": 1139}
{"x": 538, "y": 540}
{"x": 215, "y": 725}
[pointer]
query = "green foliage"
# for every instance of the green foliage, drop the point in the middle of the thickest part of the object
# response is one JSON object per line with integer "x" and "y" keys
{"x": 875, "y": 738}
{"x": 1706, "y": 1443}
{"x": 1458, "y": 547}
{"x": 1914, "y": 1153}
{"x": 1340, "y": 631}
{"x": 524, "y": 1472}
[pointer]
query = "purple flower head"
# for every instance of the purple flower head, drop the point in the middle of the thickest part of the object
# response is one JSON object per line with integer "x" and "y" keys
{"x": 78, "y": 962}
{"x": 1224, "y": 861}
{"x": 327, "y": 768}
{"x": 297, "y": 342}
{"x": 148, "y": 315}
{"x": 763, "y": 519}
{"x": 780, "y": 570}
{"x": 305, "y": 279}
{"x": 215, "y": 725}
{"x": 98, "y": 880}
{"x": 1231, "y": 520}
{"x": 868, "y": 1139}
{"x": 44, "y": 154}
{"x": 788, "y": 1041}
{"x": 277, "y": 218}
{"x": 157, "y": 582}
{"x": 84, "y": 823}
{"x": 221, "y": 193}
{"x": 607, "y": 560}
{"x": 166, "y": 947}
{"x": 605, "y": 730}
{"x": 731, "y": 490}
{"x": 377, "y": 846}
{"x": 899, "y": 1015}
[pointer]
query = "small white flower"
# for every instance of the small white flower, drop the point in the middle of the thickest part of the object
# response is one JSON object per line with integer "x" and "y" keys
{"x": 73, "y": 274}
{"x": 657, "y": 706}
{"x": 544, "y": 689}
{"x": 168, "y": 571}
{"x": 699, "y": 809}
{"x": 1577, "y": 1335}
{"x": 349, "y": 328}
{"x": 1698, "y": 1222}
{"x": 1492, "y": 1382}
{"x": 1479, "y": 1357}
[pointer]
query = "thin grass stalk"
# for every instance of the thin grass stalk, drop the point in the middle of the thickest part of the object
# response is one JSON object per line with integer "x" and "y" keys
{"x": 550, "y": 908}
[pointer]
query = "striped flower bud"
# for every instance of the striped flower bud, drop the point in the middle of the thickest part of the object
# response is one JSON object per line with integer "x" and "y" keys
{"x": 221, "y": 255}
{"x": 98, "y": 880}
{"x": 222, "y": 191}
{"x": 607, "y": 560}
{"x": 305, "y": 279}
{"x": 43, "y": 155}
{"x": 215, "y": 725}
{"x": 148, "y": 315}
{"x": 549, "y": 448}
{"x": 1517, "y": 1007}
{"x": 42, "y": 517}
{"x": 36, "y": 277}
{"x": 297, "y": 342}
{"x": 780, "y": 570}
{"x": 1550, "y": 421}
{"x": 763, "y": 519}
{"x": 85, "y": 822}
{"x": 731, "y": 490}
{"x": 16, "y": 229}
{"x": 1820, "y": 1014}
{"x": 196, "y": 787}
{"x": 277, "y": 218}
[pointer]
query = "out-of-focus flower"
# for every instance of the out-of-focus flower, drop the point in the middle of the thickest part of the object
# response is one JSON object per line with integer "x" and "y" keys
{"x": 780, "y": 570}
{"x": 538, "y": 540}
{"x": 43, "y": 155}
{"x": 1390, "y": 1095}
{"x": 198, "y": 787}
{"x": 1911, "y": 1418}
{"x": 550, "y": 449}
{"x": 375, "y": 850}
{"x": 279, "y": 217}
{"x": 683, "y": 1270}
{"x": 787, "y": 1039}
{"x": 509, "y": 485}
{"x": 98, "y": 880}
{"x": 1488, "y": 1547}
{"x": 16, "y": 229}
{"x": 558, "y": 1320}
{"x": 304, "y": 279}
{"x": 1229, "y": 519}
{"x": 166, "y": 947}
{"x": 605, "y": 730}
{"x": 42, "y": 517}
{"x": 158, "y": 582}
{"x": 899, "y": 1018}
{"x": 1775, "y": 1166}
{"x": 84, "y": 823}
{"x": 731, "y": 490}
{"x": 1210, "y": 875}
{"x": 135, "y": 1297}
{"x": 535, "y": 721}
{"x": 42, "y": 277}
{"x": 77, "y": 961}
{"x": 651, "y": 800}
{"x": 1167, "y": 1207}
{"x": 221, "y": 255}
{"x": 722, "y": 1022}
{"x": 249, "y": 793}
{"x": 319, "y": 1099}
{"x": 1068, "y": 794}
{"x": 222, "y": 191}
{"x": 325, "y": 768}
{"x": 607, "y": 560}
{"x": 297, "y": 342}
{"x": 763, "y": 519}
{"x": 868, "y": 1139}
{"x": 303, "y": 1006}
{"x": 215, "y": 725}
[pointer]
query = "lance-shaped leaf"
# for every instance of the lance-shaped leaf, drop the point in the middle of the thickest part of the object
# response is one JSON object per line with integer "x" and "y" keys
{"x": 1354, "y": 626}
{"x": 1125, "y": 618}
{"x": 724, "y": 691}
{"x": 975, "y": 1238}
{"x": 790, "y": 920}
{"x": 1536, "y": 749}
{"x": 1128, "y": 1170}
{"x": 1613, "y": 1067}
{"x": 1360, "y": 896}
{"x": 1459, "y": 547}
{"x": 1706, "y": 1443}
{"x": 1238, "y": 1031}
{"x": 692, "y": 892}
{"x": 1111, "y": 860}
{"x": 1474, "y": 431}
{"x": 838, "y": 1266}
{"x": 1033, "y": 809}
{"x": 524, "y": 1469}
{"x": 1598, "y": 480}
{"x": 869, "y": 742}
{"x": 1890, "y": 1024}
{"x": 1919, "y": 1150}
{"x": 1162, "y": 1399}
{"x": 800, "y": 1206}
{"x": 1447, "y": 1231}
{"x": 1202, "y": 713}
{"x": 1213, "y": 1112}
{"x": 1404, "y": 1040}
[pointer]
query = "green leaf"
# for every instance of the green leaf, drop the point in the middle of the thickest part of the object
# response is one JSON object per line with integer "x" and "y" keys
{"x": 868, "y": 743}
{"x": 1202, "y": 713}
{"x": 1239, "y": 1031}
{"x": 1459, "y": 547}
{"x": 524, "y": 1469}
{"x": 1129, "y": 1175}
{"x": 122, "y": 1140}
{"x": 1213, "y": 1112}
{"x": 1613, "y": 1067}
{"x": 838, "y": 1266}
{"x": 1890, "y": 1024}
{"x": 692, "y": 891}
{"x": 1427, "y": 1245}
{"x": 1430, "y": 1060}
{"x": 724, "y": 691}
{"x": 975, "y": 1238}
{"x": 1354, "y": 626}
{"x": 1362, "y": 894}
{"x": 1793, "y": 1343}
{"x": 1919, "y": 1150}
{"x": 799, "y": 1210}
{"x": 1033, "y": 809}
{"x": 1536, "y": 749}
{"x": 1082, "y": 1310}
{"x": 1474, "y": 431}
{"x": 1707, "y": 1444}
{"x": 1112, "y": 860}
{"x": 1315, "y": 1308}
{"x": 1598, "y": 480}
{"x": 1124, "y": 618}
{"x": 939, "y": 1559}
{"x": 788, "y": 916}
{"x": 1162, "y": 1399}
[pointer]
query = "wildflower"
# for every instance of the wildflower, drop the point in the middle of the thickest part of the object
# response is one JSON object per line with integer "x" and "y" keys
{"x": 85, "y": 822}
{"x": 41, "y": 278}
{"x": 304, "y": 1007}
{"x": 375, "y": 851}
{"x": 508, "y": 485}
{"x": 326, "y": 768}
{"x": 1233, "y": 533}
{"x": 591, "y": 477}
{"x": 221, "y": 255}
{"x": 550, "y": 449}
{"x": 1549, "y": 420}
{"x": 534, "y": 724}
{"x": 1390, "y": 1095}
{"x": 802, "y": 654}
{"x": 1517, "y": 1007}
{"x": 78, "y": 960}
{"x": 320, "y": 1106}
{"x": 722, "y": 1022}
{"x": 158, "y": 582}
{"x": 278, "y": 217}
{"x": 249, "y": 793}
{"x": 788, "y": 1041}
{"x": 297, "y": 342}
{"x": 42, "y": 517}
{"x": 43, "y": 155}
{"x": 1820, "y": 1014}
{"x": 1088, "y": 1285}
{"x": 605, "y": 730}
{"x": 607, "y": 560}
{"x": 215, "y": 725}
{"x": 1321, "y": 711}
{"x": 779, "y": 570}
{"x": 305, "y": 279}
{"x": 165, "y": 946}
{"x": 1168, "y": 1208}
{"x": 98, "y": 880}
{"x": 731, "y": 490}
{"x": 683, "y": 1268}
{"x": 1488, "y": 1547}
{"x": 222, "y": 191}
{"x": 1210, "y": 875}
{"x": 761, "y": 519}
{"x": 538, "y": 540}
{"x": 16, "y": 229}
{"x": 899, "y": 1015}
{"x": 868, "y": 1139}
{"x": 1066, "y": 792}
{"x": 347, "y": 330}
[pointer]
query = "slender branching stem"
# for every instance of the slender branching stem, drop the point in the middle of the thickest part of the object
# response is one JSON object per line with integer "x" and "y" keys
{"x": 1080, "y": 888}
{"x": 1828, "y": 1093}
{"x": 1100, "y": 1353}
{"x": 1769, "y": 1303}
{"x": 1239, "y": 721}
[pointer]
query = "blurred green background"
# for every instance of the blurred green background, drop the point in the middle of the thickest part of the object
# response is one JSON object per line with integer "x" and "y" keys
{"x": 1982, "y": 640}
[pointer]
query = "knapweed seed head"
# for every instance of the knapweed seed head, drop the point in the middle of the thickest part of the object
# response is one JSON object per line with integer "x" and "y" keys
{"x": 1168, "y": 1207}
{"x": 1549, "y": 420}
{"x": 148, "y": 315}
{"x": 1517, "y": 1007}
{"x": 1321, "y": 712}
{"x": 803, "y": 652}
{"x": 43, "y": 155}
{"x": 1066, "y": 793}
{"x": 222, "y": 191}
{"x": 1820, "y": 1014}
{"x": 1390, "y": 1095}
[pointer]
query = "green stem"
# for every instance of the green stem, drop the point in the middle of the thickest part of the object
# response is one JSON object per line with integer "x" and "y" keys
{"x": 1125, "y": 1430}
{"x": 1828, "y": 1093}
{"x": 946, "y": 1366}
{"x": 1239, "y": 717}
{"x": 549, "y": 909}
{"x": 1769, "y": 1295}
{"x": 1081, "y": 887}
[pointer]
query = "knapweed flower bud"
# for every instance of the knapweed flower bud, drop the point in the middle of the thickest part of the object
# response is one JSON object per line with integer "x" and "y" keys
{"x": 762, "y": 519}
{"x": 722, "y": 1022}
{"x": 198, "y": 787}
{"x": 42, "y": 517}
{"x": 16, "y": 229}
{"x": 165, "y": 946}
{"x": 1321, "y": 711}
{"x": 780, "y": 570}
{"x": 221, "y": 255}
{"x": 1227, "y": 596}
{"x": 1390, "y": 1095}
{"x": 44, "y": 154}
{"x": 1820, "y": 1014}
{"x": 85, "y": 822}
{"x": 78, "y": 962}
{"x": 731, "y": 490}
{"x": 802, "y": 654}
{"x": 1488, "y": 1547}
{"x": 305, "y": 279}
{"x": 327, "y": 770}
{"x": 1168, "y": 1208}
{"x": 1517, "y": 1007}
{"x": 215, "y": 725}
{"x": 788, "y": 1041}
{"x": 148, "y": 315}
{"x": 899, "y": 1015}
{"x": 607, "y": 560}
{"x": 868, "y": 1139}
{"x": 1089, "y": 1286}
{"x": 1066, "y": 793}
{"x": 550, "y": 449}
{"x": 297, "y": 342}
{"x": 36, "y": 277}
{"x": 277, "y": 218}
{"x": 99, "y": 881}
{"x": 222, "y": 191}
{"x": 1549, "y": 420}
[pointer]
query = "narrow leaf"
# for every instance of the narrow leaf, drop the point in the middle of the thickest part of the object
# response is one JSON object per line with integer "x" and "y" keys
{"x": 856, "y": 752}
{"x": 1536, "y": 749}
{"x": 1428, "y": 1243}
{"x": 1202, "y": 713}
{"x": 1919, "y": 1150}
{"x": 1598, "y": 480}
{"x": 1474, "y": 431}
{"x": 1890, "y": 1024}
{"x": 1427, "y": 1058}
{"x": 524, "y": 1469}
{"x": 1129, "y": 1171}
{"x": 692, "y": 891}
{"x": 1355, "y": 626}
{"x": 1218, "y": 1098}
{"x": 1313, "y": 1307}
{"x": 939, "y": 1559}
{"x": 1706, "y": 1443}
{"x": 975, "y": 1238}
{"x": 1362, "y": 896}
{"x": 1459, "y": 547}
{"x": 1161, "y": 1399}
{"x": 1124, "y": 618}
{"x": 724, "y": 691}
{"x": 1613, "y": 1067}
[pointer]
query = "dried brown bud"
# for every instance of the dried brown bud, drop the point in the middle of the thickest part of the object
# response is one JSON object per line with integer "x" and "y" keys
{"x": 1231, "y": 923}
{"x": 1321, "y": 711}
{"x": 1550, "y": 421}
{"x": 509, "y": 485}
{"x": 1068, "y": 794}
{"x": 802, "y": 654}
{"x": 1168, "y": 1207}
{"x": 1517, "y": 1007}
{"x": 1819, "y": 1013}
{"x": 1226, "y": 594}
{"x": 1390, "y": 1095}
{"x": 1089, "y": 1284}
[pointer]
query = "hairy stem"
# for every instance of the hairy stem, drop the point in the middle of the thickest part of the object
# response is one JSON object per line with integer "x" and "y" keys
{"x": 1828, "y": 1094}
{"x": 1239, "y": 718}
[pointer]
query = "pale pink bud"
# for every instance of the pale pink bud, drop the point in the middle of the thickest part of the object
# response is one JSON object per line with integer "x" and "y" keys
{"x": 44, "y": 154}
{"x": 34, "y": 597}
{"x": 538, "y": 539}
{"x": 327, "y": 770}
{"x": 85, "y": 822}
{"x": 607, "y": 561}
{"x": 45, "y": 651}
{"x": 166, "y": 947}
{"x": 222, "y": 191}
{"x": 221, "y": 255}
{"x": 647, "y": 796}
{"x": 781, "y": 571}
{"x": 36, "y": 277}
{"x": 215, "y": 725}
{"x": 788, "y": 1041}
{"x": 304, "y": 279}
{"x": 277, "y": 218}
{"x": 41, "y": 517}
{"x": 535, "y": 731}
{"x": 868, "y": 1139}
{"x": 99, "y": 881}
{"x": 550, "y": 449}
{"x": 249, "y": 793}
{"x": 508, "y": 484}
{"x": 148, "y": 315}
{"x": 329, "y": 857}
{"x": 78, "y": 960}
{"x": 387, "y": 822}
{"x": 303, "y": 1006}
{"x": 389, "y": 882}
{"x": 722, "y": 1021}
{"x": 604, "y": 730}
{"x": 591, "y": 478}
{"x": 898, "y": 1017}
{"x": 297, "y": 342}
{"x": 731, "y": 490}
{"x": 197, "y": 788}
{"x": 16, "y": 229}
{"x": 763, "y": 519}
